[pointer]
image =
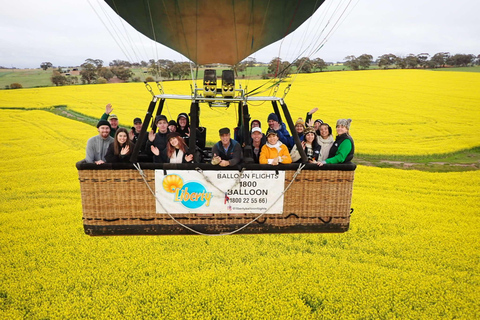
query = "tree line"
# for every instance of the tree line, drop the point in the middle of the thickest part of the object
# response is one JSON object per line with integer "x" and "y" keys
{"x": 94, "y": 70}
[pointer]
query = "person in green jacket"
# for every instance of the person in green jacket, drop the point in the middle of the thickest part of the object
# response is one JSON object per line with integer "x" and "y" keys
{"x": 113, "y": 119}
{"x": 343, "y": 148}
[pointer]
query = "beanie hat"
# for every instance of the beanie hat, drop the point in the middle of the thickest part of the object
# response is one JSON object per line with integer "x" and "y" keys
{"x": 344, "y": 122}
{"x": 137, "y": 120}
{"x": 309, "y": 130}
{"x": 300, "y": 121}
{"x": 318, "y": 120}
{"x": 172, "y": 123}
{"x": 272, "y": 116}
{"x": 103, "y": 123}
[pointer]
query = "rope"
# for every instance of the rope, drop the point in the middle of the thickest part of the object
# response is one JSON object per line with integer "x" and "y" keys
{"x": 142, "y": 174}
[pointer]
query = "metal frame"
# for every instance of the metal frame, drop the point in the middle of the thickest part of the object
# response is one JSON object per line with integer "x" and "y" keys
{"x": 196, "y": 98}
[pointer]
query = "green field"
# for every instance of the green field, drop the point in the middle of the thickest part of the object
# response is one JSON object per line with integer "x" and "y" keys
{"x": 30, "y": 78}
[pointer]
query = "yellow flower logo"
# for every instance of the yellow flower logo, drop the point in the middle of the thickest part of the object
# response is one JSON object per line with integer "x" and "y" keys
{"x": 172, "y": 182}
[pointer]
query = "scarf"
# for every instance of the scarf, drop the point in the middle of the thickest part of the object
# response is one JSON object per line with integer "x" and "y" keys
{"x": 276, "y": 145}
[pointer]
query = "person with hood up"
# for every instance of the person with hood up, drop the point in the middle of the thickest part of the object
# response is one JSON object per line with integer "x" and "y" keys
{"x": 183, "y": 128}
{"x": 274, "y": 151}
{"x": 325, "y": 140}
{"x": 343, "y": 148}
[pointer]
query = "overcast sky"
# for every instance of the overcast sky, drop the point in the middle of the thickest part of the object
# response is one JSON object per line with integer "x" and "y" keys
{"x": 66, "y": 32}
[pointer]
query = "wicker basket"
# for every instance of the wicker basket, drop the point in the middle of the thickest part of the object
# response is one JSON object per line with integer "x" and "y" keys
{"x": 116, "y": 201}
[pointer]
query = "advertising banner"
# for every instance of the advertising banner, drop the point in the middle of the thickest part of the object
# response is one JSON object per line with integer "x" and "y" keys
{"x": 189, "y": 191}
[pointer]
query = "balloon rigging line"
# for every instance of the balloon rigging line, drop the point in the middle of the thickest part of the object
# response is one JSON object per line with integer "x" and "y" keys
{"x": 108, "y": 29}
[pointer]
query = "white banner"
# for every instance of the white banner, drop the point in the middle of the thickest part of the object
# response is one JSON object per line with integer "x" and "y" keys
{"x": 188, "y": 191}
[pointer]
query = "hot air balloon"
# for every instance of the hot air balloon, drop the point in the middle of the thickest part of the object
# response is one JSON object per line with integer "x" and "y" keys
{"x": 213, "y": 31}
{"x": 198, "y": 198}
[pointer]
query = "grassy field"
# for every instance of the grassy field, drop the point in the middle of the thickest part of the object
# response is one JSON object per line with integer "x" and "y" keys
{"x": 30, "y": 78}
{"x": 412, "y": 251}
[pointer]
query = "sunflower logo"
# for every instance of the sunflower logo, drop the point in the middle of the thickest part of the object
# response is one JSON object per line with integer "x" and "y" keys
{"x": 171, "y": 182}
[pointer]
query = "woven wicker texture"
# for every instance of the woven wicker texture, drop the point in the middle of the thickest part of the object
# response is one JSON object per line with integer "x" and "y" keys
{"x": 121, "y": 198}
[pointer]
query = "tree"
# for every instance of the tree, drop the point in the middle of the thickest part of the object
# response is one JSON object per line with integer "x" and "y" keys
{"x": 72, "y": 80}
{"x": 120, "y": 63}
{"x": 386, "y": 60}
{"x": 96, "y": 62}
{"x": 16, "y": 85}
{"x": 461, "y": 60}
{"x": 101, "y": 80}
{"x": 180, "y": 69}
{"x": 423, "y": 59}
{"x": 122, "y": 73}
{"x": 304, "y": 65}
{"x": 88, "y": 72}
{"x": 365, "y": 60}
{"x": 46, "y": 65}
{"x": 411, "y": 61}
{"x": 319, "y": 63}
{"x": 106, "y": 73}
{"x": 401, "y": 62}
{"x": 58, "y": 79}
{"x": 279, "y": 68}
{"x": 439, "y": 59}
{"x": 352, "y": 62}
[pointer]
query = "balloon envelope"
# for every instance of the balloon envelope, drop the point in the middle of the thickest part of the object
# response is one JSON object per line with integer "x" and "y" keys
{"x": 215, "y": 31}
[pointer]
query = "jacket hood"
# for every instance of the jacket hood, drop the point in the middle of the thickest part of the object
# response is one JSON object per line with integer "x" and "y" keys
{"x": 183, "y": 114}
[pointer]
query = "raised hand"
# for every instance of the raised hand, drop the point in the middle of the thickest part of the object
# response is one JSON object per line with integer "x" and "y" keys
{"x": 151, "y": 136}
{"x": 155, "y": 150}
{"x": 108, "y": 108}
{"x": 125, "y": 150}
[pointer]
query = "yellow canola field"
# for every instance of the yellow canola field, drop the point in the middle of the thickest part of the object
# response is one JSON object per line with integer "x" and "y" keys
{"x": 412, "y": 251}
{"x": 394, "y": 112}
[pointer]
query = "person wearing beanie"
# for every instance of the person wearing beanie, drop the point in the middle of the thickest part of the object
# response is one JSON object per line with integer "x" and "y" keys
{"x": 274, "y": 151}
{"x": 97, "y": 146}
{"x": 157, "y": 142}
{"x": 325, "y": 140}
{"x": 280, "y": 129}
{"x": 113, "y": 119}
{"x": 300, "y": 128}
{"x": 310, "y": 146}
{"x": 227, "y": 152}
{"x": 172, "y": 126}
{"x": 343, "y": 148}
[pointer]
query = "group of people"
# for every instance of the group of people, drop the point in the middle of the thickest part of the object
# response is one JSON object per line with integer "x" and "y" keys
{"x": 169, "y": 144}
